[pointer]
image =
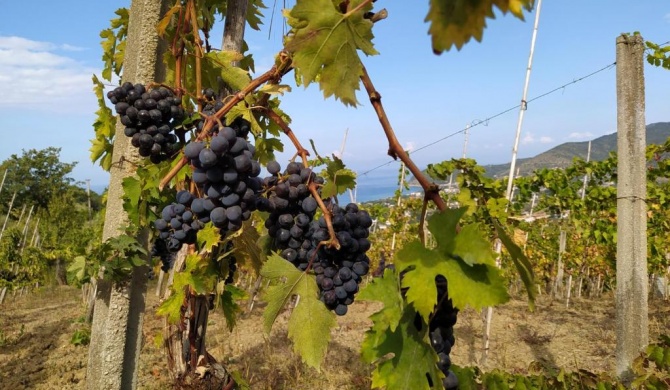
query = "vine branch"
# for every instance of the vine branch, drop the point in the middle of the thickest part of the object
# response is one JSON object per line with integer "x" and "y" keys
{"x": 395, "y": 149}
{"x": 276, "y": 72}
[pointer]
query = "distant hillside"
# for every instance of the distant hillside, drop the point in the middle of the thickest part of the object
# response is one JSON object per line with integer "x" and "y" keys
{"x": 561, "y": 156}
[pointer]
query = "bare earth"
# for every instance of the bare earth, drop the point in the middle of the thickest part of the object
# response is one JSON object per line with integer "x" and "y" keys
{"x": 36, "y": 352}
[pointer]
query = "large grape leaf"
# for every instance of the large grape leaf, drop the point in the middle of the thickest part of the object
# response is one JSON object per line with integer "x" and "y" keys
{"x": 325, "y": 44}
{"x": 412, "y": 357}
{"x": 455, "y": 22}
{"x": 386, "y": 290}
{"x": 474, "y": 283}
{"x": 310, "y": 323}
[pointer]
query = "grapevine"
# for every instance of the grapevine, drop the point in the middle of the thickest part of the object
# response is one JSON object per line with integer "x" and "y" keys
{"x": 208, "y": 142}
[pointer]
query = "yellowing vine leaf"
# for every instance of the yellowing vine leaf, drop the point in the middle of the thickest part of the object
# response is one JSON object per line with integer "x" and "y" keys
{"x": 325, "y": 44}
{"x": 454, "y": 22}
{"x": 310, "y": 322}
{"x": 167, "y": 18}
{"x": 208, "y": 238}
{"x": 105, "y": 127}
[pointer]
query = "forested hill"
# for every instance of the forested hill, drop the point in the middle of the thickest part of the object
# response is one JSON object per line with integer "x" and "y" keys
{"x": 561, "y": 156}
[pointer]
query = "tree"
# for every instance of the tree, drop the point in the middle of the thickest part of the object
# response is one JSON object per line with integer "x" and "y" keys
{"x": 36, "y": 176}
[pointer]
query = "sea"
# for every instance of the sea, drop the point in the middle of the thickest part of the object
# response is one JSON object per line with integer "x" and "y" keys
{"x": 369, "y": 188}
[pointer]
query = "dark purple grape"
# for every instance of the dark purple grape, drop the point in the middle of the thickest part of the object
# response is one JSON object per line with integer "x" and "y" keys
{"x": 193, "y": 149}
{"x": 273, "y": 167}
{"x": 309, "y": 205}
{"x": 207, "y": 158}
{"x": 341, "y": 310}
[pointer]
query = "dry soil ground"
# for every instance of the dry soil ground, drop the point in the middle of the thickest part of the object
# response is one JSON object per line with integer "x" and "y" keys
{"x": 36, "y": 350}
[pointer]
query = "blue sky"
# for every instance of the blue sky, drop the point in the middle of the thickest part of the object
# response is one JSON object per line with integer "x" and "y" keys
{"x": 48, "y": 54}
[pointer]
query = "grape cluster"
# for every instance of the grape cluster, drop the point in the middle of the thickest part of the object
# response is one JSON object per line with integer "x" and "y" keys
{"x": 160, "y": 250}
{"x": 180, "y": 222}
{"x": 149, "y": 117}
{"x": 340, "y": 271}
{"x": 442, "y": 332}
{"x": 292, "y": 209}
{"x": 228, "y": 174}
{"x": 297, "y": 236}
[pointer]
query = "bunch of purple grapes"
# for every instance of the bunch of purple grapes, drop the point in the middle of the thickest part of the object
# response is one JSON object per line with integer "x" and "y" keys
{"x": 292, "y": 209}
{"x": 159, "y": 249}
{"x": 442, "y": 332}
{"x": 340, "y": 271}
{"x": 228, "y": 173}
{"x": 149, "y": 117}
{"x": 180, "y": 221}
{"x": 297, "y": 236}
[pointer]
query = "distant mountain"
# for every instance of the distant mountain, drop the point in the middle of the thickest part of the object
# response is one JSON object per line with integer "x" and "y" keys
{"x": 561, "y": 156}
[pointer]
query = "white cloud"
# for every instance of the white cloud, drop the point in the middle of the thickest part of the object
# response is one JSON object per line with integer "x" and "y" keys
{"x": 410, "y": 146}
{"x": 667, "y": 17}
{"x": 583, "y": 135}
{"x": 529, "y": 138}
{"x": 34, "y": 74}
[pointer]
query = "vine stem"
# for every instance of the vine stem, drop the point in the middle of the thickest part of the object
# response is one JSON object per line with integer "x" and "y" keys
{"x": 276, "y": 72}
{"x": 313, "y": 187}
{"x": 178, "y": 53}
{"x": 395, "y": 150}
{"x": 422, "y": 222}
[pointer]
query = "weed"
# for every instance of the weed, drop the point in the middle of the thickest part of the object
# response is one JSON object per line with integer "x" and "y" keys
{"x": 81, "y": 337}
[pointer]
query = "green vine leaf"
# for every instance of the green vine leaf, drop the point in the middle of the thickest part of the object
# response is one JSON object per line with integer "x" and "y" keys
{"x": 386, "y": 290}
{"x": 218, "y": 64}
{"x": 310, "y": 323}
{"x": 228, "y": 302}
{"x": 413, "y": 358}
{"x": 338, "y": 178}
{"x": 242, "y": 110}
{"x": 132, "y": 195}
{"x": 471, "y": 247}
{"x": 325, "y": 44}
{"x": 454, "y": 22}
{"x": 171, "y": 307}
{"x": 254, "y": 14}
{"x": 521, "y": 263}
{"x": 476, "y": 284}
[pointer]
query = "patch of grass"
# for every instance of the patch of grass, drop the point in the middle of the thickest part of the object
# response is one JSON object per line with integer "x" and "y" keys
{"x": 81, "y": 337}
